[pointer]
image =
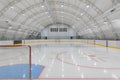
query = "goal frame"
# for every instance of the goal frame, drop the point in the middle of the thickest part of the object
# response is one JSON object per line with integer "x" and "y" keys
{"x": 30, "y": 56}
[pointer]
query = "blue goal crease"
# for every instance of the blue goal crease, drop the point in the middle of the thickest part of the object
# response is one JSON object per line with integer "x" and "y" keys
{"x": 20, "y": 71}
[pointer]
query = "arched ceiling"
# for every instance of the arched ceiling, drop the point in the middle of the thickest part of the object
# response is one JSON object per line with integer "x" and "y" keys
{"x": 95, "y": 19}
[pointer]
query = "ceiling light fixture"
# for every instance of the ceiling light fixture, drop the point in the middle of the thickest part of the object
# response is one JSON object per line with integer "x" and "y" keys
{"x": 105, "y": 22}
{"x": 23, "y": 14}
{"x": 10, "y": 27}
{"x": 12, "y": 7}
{"x": 81, "y": 14}
{"x": 62, "y": 5}
{"x": 87, "y": 6}
{"x": 19, "y": 29}
{"x": 42, "y": 6}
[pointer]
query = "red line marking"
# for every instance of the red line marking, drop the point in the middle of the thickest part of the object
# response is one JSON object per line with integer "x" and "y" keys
{"x": 70, "y": 63}
{"x": 92, "y": 55}
{"x": 78, "y": 79}
{"x": 101, "y": 59}
{"x": 41, "y": 72}
{"x": 66, "y": 79}
{"x": 94, "y": 59}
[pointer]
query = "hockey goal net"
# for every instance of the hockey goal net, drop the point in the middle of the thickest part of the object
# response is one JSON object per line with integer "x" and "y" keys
{"x": 15, "y": 62}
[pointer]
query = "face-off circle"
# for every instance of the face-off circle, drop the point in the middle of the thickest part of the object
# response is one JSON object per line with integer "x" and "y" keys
{"x": 87, "y": 60}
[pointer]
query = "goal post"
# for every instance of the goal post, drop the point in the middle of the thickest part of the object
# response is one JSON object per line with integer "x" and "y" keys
{"x": 15, "y": 62}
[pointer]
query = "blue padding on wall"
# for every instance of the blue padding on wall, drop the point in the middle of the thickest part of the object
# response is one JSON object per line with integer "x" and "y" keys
{"x": 106, "y": 43}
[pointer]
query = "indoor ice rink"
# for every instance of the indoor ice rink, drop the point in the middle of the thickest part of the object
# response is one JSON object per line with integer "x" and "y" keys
{"x": 59, "y": 39}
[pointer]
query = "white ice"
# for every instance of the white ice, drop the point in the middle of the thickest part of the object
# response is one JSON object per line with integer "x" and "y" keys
{"x": 76, "y": 60}
{"x": 68, "y": 60}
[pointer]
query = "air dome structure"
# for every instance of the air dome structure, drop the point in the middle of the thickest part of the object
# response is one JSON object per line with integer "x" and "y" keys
{"x": 90, "y": 19}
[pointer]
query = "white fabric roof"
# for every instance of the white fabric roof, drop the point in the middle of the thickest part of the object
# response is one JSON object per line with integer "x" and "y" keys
{"x": 95, "y": 19}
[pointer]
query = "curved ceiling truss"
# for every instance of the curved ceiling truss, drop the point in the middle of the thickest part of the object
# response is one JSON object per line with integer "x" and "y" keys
{"x": 45, "y": 12}
{"x": 74, "y": 7}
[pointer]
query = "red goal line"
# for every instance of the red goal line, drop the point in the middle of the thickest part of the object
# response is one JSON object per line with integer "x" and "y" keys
{"x": 78, "y": 79}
